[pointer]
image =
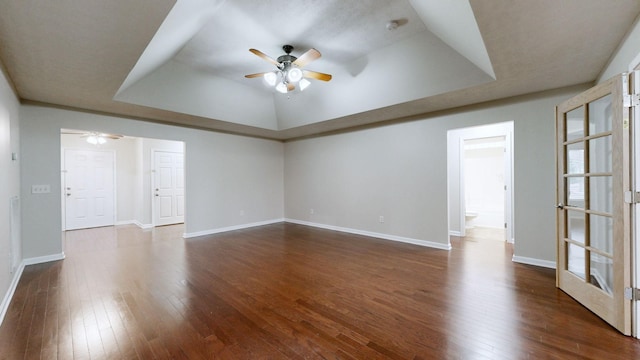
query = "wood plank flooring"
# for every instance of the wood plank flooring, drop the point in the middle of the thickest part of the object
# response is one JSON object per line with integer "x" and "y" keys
{"x": 287, "y": 291}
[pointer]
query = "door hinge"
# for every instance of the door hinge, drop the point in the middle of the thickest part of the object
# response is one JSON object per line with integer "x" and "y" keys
{"x": 632, "y": 197}
{"x": 631, "y": 294}
{"x": 631, "y": 100}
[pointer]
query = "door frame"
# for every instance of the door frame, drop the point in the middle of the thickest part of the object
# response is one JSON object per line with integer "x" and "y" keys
{"x": 455, "y": 178}
{"x": 153, "y": 180}
{"x": 63, "y": 179}
{"x": 634, "y": 69}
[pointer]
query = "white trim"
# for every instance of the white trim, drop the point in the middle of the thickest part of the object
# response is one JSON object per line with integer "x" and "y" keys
{"x": 533, "y": 261}
{"x": 126, "y": 222}
{"x": 12, "y": 289}
{"x": 144, "y": 226}
{"x": 506, "y": 129}
{"x": 136, "y": 223}
{"x": 43, "y": 259}
{"x": 635, "y": 214}
{"x": 231, "y": 228}
{"x": 462, "y": 201}
{"x": 426, "y": 243}
{"x": 455, "y": 233}
{"x": 634, "y": 63}
{"x": 6, "y": 301}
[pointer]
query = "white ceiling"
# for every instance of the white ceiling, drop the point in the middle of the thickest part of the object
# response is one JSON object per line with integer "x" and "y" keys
{"x": 184, "y": 62}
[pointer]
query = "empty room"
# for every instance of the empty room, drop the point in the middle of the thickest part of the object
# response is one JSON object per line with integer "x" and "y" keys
{"x": 377, "y": 179}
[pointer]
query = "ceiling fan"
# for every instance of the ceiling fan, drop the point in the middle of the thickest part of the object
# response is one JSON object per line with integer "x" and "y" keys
{"x": 290, "y": 70}
{"x": 93, "y": 137}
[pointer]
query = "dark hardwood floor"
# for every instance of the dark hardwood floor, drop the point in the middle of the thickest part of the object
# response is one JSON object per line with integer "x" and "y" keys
{"x": 287, "y": 291}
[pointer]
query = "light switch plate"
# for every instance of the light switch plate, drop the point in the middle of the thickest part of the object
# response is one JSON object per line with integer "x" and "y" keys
{"x": 40, "y": 189}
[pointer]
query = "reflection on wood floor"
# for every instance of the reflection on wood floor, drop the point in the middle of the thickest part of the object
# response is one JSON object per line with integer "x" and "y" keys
{"x": 289, "y": 291}
{"x": 483, "y": 233}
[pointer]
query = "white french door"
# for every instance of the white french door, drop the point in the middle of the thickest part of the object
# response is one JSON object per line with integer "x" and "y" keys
{"x": 168, "y": 188}
{"x": 594, "y": 201}
{"x": 88, "y": 188}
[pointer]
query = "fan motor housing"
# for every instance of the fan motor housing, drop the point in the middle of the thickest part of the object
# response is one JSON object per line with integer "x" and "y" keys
{"x": 287, "y": 58}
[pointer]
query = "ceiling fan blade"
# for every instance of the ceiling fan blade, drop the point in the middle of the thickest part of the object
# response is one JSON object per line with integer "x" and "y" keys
{"x": 255, "y": 75}
{"x": 290, "y": 87}
{"x": 309, "y": 56}
{"x": 316, "y": 75}
{"x": 264, "y": 56}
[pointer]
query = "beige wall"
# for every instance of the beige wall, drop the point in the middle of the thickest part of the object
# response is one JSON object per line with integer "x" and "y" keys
{"x": 400, "y": 172}
{"x": 9, "y": 186}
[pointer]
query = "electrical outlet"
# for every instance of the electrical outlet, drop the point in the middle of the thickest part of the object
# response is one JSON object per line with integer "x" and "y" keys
{"x": 40, "y": 189}
{"x": 381, "y": 219}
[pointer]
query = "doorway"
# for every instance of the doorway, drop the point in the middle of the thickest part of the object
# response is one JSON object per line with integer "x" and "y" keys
{"x": 480, "y": 179}
{"x": 133, "y": 179}
{"x": 484, "y": 184}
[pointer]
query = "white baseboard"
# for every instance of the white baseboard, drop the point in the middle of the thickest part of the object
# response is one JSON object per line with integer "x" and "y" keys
{"x": 426, "y": 243}
{"x": 533, "y": 261}
{"x": 136, "y": 223}
{"x": 43, "y": 259}
{"x": 455, "y": 233}
{"x": 126, "y": 222}
{"x": 6, "y": 301}
{"x": 4, "y": 306}
{"x": 143, "y": 226}
{"x": 231, "y": 228}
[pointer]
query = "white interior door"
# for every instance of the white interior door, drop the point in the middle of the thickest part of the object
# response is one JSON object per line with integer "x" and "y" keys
{"x": 88, "y": 188}
{"x": 168, "y": 190}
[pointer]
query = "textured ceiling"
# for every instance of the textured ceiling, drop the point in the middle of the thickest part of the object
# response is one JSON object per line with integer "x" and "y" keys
{"x": 86, "y": 54}
{"x": 343, "y": 30}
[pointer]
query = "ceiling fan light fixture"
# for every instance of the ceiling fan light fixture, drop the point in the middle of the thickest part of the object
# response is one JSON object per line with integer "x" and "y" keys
{"x": 289, "y": 73}
{"x": 96, "y": 140}
{"x": 281, "y": 88}
{"x": 304, "y": 83}
{"x": 294, "y": 74}
{"x": 270, "y": 78}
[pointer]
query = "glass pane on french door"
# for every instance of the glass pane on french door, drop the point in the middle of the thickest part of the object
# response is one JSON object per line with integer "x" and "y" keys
{"x": 589, "y": 193}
